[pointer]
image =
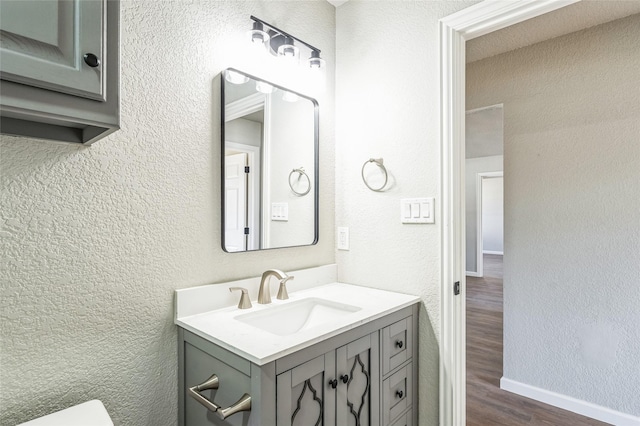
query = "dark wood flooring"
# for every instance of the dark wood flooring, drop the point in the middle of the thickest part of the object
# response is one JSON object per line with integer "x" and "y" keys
{"x": 487, "y": 404}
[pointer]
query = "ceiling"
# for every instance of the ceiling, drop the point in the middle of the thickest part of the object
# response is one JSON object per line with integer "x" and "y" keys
{"x": 569, "y": 19}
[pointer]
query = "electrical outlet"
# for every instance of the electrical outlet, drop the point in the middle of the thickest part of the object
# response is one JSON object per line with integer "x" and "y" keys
{"x": 343, "y": 238}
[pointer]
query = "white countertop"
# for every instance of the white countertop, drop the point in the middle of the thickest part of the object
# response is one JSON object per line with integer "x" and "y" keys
{"x": 220, "y": 326}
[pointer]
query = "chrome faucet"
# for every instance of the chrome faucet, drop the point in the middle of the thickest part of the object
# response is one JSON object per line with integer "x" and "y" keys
{"x": 264, "y": 295}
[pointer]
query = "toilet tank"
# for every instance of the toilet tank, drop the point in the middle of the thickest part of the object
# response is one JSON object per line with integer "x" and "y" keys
{"x": 88, "y": 413}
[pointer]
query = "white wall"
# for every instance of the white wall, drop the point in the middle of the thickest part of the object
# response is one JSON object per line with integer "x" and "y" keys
{"x": 292, "y": 146}
{"x": 94, "y": 241}
{"x": 243, "y": 131}
{"x": 492, "y": 215}
{"x": 387, "y": 106}
{"x": 572, "y": 203}
{"x": 473, "y": 166}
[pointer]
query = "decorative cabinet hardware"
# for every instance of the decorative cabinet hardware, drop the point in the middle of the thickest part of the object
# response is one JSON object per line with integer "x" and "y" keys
{"x": 399, "y": 394}
{"x": 344, "y": 378}
{"x": 243, "y": 404}
{"x": 91, "y": 60}
{"x": 333, "y": 383}
{"x": 399, "y": 344}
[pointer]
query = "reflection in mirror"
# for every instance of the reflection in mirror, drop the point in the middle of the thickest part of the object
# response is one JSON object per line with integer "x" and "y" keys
{"x": 269, "y": 165}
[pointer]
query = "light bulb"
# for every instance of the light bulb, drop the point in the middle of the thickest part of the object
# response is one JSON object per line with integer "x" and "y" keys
{"x": 289, "y": 96}
{"x": 315, "y": 61}
{"x": 235, "y": 77}
{"x": 257, "y": 35}
{"x": 263, "y": 87}
{"x": 287, "y": 50}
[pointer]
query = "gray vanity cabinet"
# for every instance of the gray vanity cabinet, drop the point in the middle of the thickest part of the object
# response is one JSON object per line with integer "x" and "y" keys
{"x": 59, "y": 65}
{"x": 362, "y": 377}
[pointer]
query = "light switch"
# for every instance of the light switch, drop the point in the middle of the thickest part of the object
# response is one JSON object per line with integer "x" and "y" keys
{"x": 425, "y": 210}
{"x": 417, "y": 210}
{"x": 406, "y": 210}
{"x": 280, "y": 212}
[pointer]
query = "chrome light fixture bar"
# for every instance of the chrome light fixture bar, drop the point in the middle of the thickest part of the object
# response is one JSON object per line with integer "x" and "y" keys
{"x": 281, "y": 43}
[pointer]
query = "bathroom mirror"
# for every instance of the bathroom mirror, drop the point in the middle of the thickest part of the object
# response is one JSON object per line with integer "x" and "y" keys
{"x": 269, "y": 165}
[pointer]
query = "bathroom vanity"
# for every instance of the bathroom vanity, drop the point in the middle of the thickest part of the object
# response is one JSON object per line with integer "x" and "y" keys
{"x": 333, "y": 354}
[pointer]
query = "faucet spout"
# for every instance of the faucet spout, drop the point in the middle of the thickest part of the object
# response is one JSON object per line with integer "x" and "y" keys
{"x": 264, "y": 294}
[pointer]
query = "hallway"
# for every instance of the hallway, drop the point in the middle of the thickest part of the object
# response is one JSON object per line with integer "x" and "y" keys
{"x": 487, "y": 404}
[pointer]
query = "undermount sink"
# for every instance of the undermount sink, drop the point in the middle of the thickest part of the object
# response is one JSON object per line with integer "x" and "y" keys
{"x": 299, "y": 315}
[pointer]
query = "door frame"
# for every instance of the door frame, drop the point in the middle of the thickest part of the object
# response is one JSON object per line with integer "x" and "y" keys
{"x": 455, "y": 30}
{"x": 253, "y": 190}
{"x": 479, "y": 231}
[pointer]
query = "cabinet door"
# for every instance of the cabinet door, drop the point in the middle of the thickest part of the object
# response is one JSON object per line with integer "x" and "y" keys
{"x": 358, "y": 365}
{"x": 304, "y": 395}
{"x": 44, "y": 43}
{"x": 198, "y": 367}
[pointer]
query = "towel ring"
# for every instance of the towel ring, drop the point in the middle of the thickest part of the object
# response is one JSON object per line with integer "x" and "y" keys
{"x": 301, "y": 173}
{"x": 380, "y": 163}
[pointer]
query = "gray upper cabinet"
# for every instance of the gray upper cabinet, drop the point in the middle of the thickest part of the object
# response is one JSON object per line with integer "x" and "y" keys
{"x": 59, "y": 68}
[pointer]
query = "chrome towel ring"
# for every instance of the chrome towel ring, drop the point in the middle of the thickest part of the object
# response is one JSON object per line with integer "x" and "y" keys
{"x": 380, "y": 163}
{"x": 301, "y": 173}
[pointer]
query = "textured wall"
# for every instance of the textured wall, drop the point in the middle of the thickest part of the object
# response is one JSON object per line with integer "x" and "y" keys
{"x": 387, "y": 106}
{"x": 95, "y": 240}
{"x": 572, "y": 205}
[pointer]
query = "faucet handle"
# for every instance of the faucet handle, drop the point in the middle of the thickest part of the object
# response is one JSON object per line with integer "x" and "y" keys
{"x": 282, "y": 291}
{"x": 245, "y": 302}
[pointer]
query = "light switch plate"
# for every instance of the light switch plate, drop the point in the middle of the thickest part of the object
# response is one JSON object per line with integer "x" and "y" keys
{"x": 280, "y": 212}
{"x": 417, "y": 210}
{"x": 343, "y": 238}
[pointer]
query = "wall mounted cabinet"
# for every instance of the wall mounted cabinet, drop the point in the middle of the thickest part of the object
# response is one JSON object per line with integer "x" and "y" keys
{"x": 59, "y": 68}
{"x": 362, "y": 377}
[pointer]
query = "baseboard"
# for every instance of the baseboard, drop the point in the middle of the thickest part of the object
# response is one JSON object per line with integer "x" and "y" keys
{"x": 501, "y": 253}
{"x": 568, "y": 403}
{"x": 472, "y": 274}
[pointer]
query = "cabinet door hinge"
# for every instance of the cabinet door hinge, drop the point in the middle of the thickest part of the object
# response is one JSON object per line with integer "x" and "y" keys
{"x": 246, "y": 231}
{"x": 246, "y": 169}
{"x": 456, "y": 288}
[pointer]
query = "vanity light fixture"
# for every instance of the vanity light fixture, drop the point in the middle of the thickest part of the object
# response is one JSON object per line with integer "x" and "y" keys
{"x": 282, "y": 44}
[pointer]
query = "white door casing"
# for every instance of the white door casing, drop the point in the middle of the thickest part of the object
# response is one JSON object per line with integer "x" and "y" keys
{"x": 455, "y": 30}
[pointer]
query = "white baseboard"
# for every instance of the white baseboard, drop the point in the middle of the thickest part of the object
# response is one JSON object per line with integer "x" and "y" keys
{"x": 501, "y": 253}
{"x": 568, "y": 403}
{"x": 472, "y": 274}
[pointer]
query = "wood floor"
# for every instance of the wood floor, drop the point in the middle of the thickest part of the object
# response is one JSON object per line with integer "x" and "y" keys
{"x": 487, "y": 404}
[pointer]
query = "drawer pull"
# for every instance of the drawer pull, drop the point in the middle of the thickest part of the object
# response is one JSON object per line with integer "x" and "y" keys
{"x": 399, "y": 394}
{"x": 399, "y": 344}
{"x": 243, "y": 404}
{"x": 333, "y": 383}
{"x": 344, "y": 378}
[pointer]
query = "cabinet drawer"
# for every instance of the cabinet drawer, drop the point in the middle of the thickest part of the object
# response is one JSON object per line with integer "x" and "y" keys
{"x": 396, "y": 344}
{"x": 404, "y": 420}
{"x": 396, "y": 394}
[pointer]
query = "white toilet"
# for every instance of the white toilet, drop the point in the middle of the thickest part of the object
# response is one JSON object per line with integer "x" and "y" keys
{"x": 90, "y": 413}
